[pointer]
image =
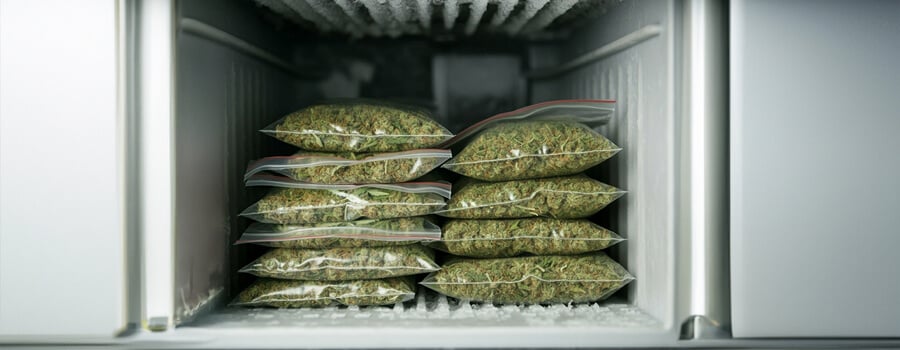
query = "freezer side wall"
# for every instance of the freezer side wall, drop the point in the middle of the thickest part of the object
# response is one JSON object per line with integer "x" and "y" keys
{"x": 223, "y": 98}
{"x": 640, "y": 78}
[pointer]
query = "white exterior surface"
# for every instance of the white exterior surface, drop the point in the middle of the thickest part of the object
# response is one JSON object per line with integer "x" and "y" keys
{"x": 61, "y": 226}
{"x": 814, "y": 192}
{"x": 156, "y": 101}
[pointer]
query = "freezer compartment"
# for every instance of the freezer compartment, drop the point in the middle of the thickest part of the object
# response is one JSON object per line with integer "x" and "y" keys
{"x": 235, "y": 72}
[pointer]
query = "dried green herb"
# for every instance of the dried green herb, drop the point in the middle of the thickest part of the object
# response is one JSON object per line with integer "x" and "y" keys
{"x": 306, "y": 206}
{"x": 295, "y": 294}
{"x": 532, "y": 149}
{"x": 359, "y": 126}
{"x": 373, "y": 168}
{"x": 512, "y": 237}
{"x": 351, "y": 234}
{"x": 569, "y": 197}
{"x": 531, "y": 280}
{"x": 343, "y": 264}
{"x": 337, "y": 242}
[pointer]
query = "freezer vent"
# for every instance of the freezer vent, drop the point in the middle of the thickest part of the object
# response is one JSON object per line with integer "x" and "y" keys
{"x": 393, "y": 18}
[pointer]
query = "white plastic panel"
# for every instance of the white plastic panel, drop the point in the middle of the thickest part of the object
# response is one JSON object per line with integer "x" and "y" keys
{"x": 155, "y": 148}
{"x": 61, "y": 183}
{"x": 814, "y": 191}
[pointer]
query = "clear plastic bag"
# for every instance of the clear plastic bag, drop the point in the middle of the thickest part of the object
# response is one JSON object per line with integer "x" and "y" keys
{"x": 569, "y": 197}
{"x": 296, "y": 294}
{"x": 531, "y": 279}
{"x": 359, "y": 125}
{"x": 350, "y": 168}
{"x": 304, "y": 203}
{"x": 343, "y": 264}
{"x": 511, "y": 237}
{"x": 590, "y": 112}
{"x": 353, "y": 234}
{"x": 532, "y": 149}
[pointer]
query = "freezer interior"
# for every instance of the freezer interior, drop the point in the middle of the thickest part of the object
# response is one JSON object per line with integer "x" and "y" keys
{"x": 465, "y": 60}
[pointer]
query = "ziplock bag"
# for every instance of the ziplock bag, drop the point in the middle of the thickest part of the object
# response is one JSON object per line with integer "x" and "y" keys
{"x": 590, "y": 112}
{"x": 359, "y": 125}
{"x": 532, "y": 149}
{"x": 304, "y": 203}
{"x": 512, "y": 237}
{"x": 531, "y": 279}
{"x": 569, "y": 197}
{"x": 294, "y": 294}
{"x": 350, "y": 168}
{"x": 342, "y": 264}
{"x": 352, "y": 234}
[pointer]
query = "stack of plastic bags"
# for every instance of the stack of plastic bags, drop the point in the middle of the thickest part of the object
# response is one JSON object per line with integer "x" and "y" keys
{"x": 349, "y": 221}
{"x": 519, "y": 231}
{"x": 346, "y": 214}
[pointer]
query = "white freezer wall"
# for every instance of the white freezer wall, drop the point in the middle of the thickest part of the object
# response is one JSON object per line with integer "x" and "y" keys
{"x": 814, "y": 190}
{"x": 224, "y": 97}
{"x": 61, "y": 191}
{"x": 639, "y": 79}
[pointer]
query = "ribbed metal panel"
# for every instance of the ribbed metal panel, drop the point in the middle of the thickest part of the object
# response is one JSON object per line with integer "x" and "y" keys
{"x": 360, "y": 18}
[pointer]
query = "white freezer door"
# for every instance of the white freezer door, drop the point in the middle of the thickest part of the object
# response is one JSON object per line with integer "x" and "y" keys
{"x": 61, "y": 226}
{"x": 815, "y": 197}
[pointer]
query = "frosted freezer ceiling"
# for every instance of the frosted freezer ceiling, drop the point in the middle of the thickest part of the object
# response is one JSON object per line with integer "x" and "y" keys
{"x": 392, "y": 18}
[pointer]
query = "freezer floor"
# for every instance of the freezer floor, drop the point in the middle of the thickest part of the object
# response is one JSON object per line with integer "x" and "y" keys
{"x": 431, "y": 310}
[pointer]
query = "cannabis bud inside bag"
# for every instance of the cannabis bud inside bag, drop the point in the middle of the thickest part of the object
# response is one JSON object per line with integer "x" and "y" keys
{"x": 512, "y": 237}
{"x": 290, "y": 294}
{"x": 569, "y": 197}
{"x": 530, "y": 280}
{"x": 532, "y": 149}
{"x": 352, "y": 168}
{"x": 341, "y": 264}
{"x": 589, "y": 112}
{"x": 352, "y": 234}
{"x": 303, "y": 203}
{"x": 359, "y": 126}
